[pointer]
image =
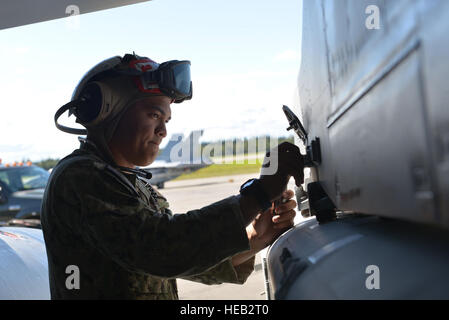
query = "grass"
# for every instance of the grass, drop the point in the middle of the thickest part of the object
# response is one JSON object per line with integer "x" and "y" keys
{"x": 217, "y": 170}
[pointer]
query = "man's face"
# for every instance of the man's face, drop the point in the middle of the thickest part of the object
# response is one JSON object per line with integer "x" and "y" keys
{"x": 141, "y": 130}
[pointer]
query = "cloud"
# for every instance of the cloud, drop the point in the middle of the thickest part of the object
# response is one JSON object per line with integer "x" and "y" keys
{"x": 287, "y": 55}
{"x": 20, "y": 50}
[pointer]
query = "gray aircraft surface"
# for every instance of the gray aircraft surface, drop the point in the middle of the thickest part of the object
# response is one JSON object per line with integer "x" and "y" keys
{"x": 23, "y": 12}
{"x": 375, "y": 107}
{"x": 178, "y": 157}
{"x": 23, "y": 265}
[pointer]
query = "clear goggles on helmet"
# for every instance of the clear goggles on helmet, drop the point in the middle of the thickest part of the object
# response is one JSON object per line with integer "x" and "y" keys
{"x": 172, "y": 78}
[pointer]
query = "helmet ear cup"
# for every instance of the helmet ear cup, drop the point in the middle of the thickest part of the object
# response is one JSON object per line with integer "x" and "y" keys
{"x": 91, "y": 101}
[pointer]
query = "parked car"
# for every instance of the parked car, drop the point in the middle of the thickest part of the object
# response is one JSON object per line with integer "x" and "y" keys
{"x": 21, "y": 191}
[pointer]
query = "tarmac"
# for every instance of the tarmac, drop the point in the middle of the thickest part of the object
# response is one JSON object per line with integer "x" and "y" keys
{"x": 192, "y": 194}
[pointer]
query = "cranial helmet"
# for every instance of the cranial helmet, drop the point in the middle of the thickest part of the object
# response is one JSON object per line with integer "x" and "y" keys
{"x": 116, "y": 83}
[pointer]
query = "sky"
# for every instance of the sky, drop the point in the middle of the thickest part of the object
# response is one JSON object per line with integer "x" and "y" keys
{"x": 245, "y": 58}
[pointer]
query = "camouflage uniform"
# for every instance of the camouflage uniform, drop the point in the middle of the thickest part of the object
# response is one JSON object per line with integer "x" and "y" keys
{"x": 124, "y": 239}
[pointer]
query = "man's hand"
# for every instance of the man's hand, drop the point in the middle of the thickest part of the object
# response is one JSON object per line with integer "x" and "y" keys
{"x": 281, "y": 163}
{"x": 267, "y": 227}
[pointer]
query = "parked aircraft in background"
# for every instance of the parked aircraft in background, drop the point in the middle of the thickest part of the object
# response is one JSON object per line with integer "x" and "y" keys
{"x": 178, "y": 157}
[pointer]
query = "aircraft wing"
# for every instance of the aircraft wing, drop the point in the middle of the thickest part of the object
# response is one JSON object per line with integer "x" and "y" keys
{"x": 21, "y": 12}
{"x": 23, "y": 265}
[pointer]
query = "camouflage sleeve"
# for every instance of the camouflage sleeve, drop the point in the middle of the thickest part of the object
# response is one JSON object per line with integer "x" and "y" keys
{"x": 225, "y": 272}
{"x": 220, "y": 273}
{"x": 122, "y": 226}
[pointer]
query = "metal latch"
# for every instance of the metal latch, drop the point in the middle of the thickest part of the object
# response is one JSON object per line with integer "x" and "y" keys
{"x": 313, "y": 151}
{"x": 315, "y": 201}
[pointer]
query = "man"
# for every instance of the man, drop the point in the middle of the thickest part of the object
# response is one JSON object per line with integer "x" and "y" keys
{"x": 101, "y": 219}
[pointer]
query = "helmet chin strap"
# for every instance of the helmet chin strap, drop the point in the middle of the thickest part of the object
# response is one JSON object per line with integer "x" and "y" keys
{"x": 140, "y": 172}
{"x": 63, "y": 109}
